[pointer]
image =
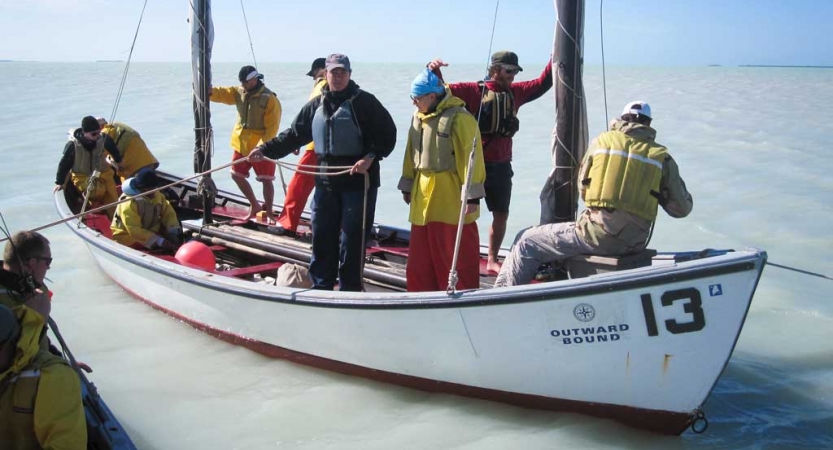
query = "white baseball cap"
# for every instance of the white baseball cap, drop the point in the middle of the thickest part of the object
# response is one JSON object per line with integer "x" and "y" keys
{"x": 638, "y": 107}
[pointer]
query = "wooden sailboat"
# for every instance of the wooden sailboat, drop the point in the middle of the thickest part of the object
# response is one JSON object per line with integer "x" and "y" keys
{"x": 642, "y": 339}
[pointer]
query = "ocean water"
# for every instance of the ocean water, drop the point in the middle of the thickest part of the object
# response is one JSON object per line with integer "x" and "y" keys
{"x": 750, "y": 145}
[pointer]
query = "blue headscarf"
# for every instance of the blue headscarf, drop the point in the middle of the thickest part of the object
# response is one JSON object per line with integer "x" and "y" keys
{"x": 426, "y": 83}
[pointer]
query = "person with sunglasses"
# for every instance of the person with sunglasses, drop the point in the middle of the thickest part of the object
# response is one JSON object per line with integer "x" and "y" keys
{"x": 26, "y": 259}
{"x": 85, "y": 160}
{"x": 500, "y": 98}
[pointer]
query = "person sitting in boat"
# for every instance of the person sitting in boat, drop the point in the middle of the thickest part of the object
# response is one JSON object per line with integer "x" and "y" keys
{"x": 441, "y": 139}
{"x": 84, "y": 158}
{"x": 624, "y": 177}
{"x": 146, "y": 222}
{"x": 301, "y": 184}
{"x": 135, "y": 153}
{"x": 499, "y": 97}
{"x": 258, "y": 118}
{"x": 40, "y": 395}
{"x": 364, "y": 134}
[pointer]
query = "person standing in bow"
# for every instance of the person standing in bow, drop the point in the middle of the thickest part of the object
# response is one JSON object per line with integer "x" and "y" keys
{"x": 500, "y": 97}
{"x": 441, "y": 140}
{"x": 349, "y": 127}
{"x": 258, "y": 118}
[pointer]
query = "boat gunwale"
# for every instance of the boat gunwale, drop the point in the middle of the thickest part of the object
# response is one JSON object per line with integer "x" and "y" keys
{"x": 463, "y": 299}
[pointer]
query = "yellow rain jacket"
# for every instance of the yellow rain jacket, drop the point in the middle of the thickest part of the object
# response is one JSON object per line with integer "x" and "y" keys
{"x": 40, "y": 395}
{"x": 258, "y": 115}
{"x": 143, "y": 219}
{"x": 436, "y": 161}
{"x": 134, "y": 152}
{"x": 624, "y": 177}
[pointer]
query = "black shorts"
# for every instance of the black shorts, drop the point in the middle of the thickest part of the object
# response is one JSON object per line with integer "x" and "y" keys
{"x": 498, "y": 186}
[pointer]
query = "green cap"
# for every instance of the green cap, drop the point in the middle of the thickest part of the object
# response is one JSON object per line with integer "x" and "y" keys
{"x": 506, "y": 59}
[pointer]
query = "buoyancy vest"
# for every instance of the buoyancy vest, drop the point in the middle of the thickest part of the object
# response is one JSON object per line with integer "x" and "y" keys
{"x": 121, "y": 135}
{"x": 497, "y": 115}
{"x": 251, "y": 107}
{"x": 625, "y": 173}
{"x": 18, "y": 393}
{"x": 337, "y": 134}
{"x": 88, "y": 161}
{"x": 432, "y": 142}
{"x": 150, "y": 212}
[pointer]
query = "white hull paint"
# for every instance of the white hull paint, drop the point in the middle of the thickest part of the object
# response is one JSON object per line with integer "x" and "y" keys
{"x": 652, "y": 340}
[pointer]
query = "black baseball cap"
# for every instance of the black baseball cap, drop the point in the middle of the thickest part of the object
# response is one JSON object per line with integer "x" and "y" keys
{"x": 319, "y": 63}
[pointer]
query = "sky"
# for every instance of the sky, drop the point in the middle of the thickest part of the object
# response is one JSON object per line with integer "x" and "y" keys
{"x": 636, "y": 32}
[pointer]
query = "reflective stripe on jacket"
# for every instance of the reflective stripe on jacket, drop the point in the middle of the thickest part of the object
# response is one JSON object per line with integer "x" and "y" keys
{"x": 624, "y": 173}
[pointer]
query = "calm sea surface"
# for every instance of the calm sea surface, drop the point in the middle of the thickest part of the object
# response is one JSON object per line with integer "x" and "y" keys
{"x": 752, "y": 145}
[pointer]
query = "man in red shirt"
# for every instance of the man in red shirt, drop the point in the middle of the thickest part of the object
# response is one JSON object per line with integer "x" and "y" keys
{"x": 500, "y": 98}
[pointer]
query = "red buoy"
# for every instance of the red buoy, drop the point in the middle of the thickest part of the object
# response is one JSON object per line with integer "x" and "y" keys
{"x": 196, "y": 254}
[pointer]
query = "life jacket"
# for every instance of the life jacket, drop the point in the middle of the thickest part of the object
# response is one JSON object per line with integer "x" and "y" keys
{"x": 18, "y": 393}
{"x": 432, "y": 144}
{"x": 150, "y": 212}
{"x": 88, "y": 161}
{"x": 251, "y": 107}
{"x": 625, "y": 173}
{"x": 337, "y": 134}
{"x": 497, "y": 114}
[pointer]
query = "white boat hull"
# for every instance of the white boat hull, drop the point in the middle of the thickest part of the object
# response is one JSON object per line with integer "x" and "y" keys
{"x": 644, "y": 346}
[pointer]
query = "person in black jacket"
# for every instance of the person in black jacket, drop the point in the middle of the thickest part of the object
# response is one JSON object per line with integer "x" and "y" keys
{"x": 84, "y": 159}
{"x": 350, "y": 128}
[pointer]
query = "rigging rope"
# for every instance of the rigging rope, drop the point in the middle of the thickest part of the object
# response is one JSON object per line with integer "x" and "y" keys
{"x": 246, "y": 21}
{"x": 127, "y": 66}
{"x": 604, "y": 77}
{"x": 464, "y": 193}
{"x": 254, "y": 58}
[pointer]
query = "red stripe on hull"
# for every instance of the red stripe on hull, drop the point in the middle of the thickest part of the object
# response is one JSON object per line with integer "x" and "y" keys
{"x": 665, "y": 422}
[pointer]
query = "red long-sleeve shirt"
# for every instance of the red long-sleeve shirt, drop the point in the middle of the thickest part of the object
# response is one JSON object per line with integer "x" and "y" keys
{"x": 499, "y": 148}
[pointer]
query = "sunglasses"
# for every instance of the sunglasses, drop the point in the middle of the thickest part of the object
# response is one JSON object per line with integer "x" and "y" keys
{"x": 48, "y": 260}
{"x": 511, "y": 71}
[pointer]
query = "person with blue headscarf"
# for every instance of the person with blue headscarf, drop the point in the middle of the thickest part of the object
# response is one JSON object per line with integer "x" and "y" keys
{"x": 145, "y": 221}
{"x": 441, "y": 139}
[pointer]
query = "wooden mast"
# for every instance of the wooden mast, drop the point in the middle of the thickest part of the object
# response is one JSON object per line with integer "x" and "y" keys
{"x": 559, "y": 198}
{"x": 202, "y": 38}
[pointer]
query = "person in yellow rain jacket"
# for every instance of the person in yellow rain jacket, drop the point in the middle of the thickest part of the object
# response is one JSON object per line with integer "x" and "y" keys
{"x": 148, "y": 221}
{"x": 440, "y": 142}
{"x": 134, "y": 152}
{"x": 40, "y": 395}
{"x": 84, "y": 159}
{"x": 625, "y": 177}
{"x": 258, "y": 118}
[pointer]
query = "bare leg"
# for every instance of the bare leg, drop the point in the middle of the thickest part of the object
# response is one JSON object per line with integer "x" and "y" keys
{"x": 247, "y": 191}
{"x": 496, "y": 234}
{"x": 268, "y": 198}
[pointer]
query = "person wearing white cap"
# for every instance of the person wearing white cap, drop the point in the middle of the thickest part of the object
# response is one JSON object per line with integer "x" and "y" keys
{"x": 258, "y": 118}
{"x": 624, "y": 177}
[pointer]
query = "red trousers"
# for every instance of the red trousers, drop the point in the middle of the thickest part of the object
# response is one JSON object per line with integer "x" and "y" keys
{"x": 297, "y": 193}
{"x": 430, "y": 254}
